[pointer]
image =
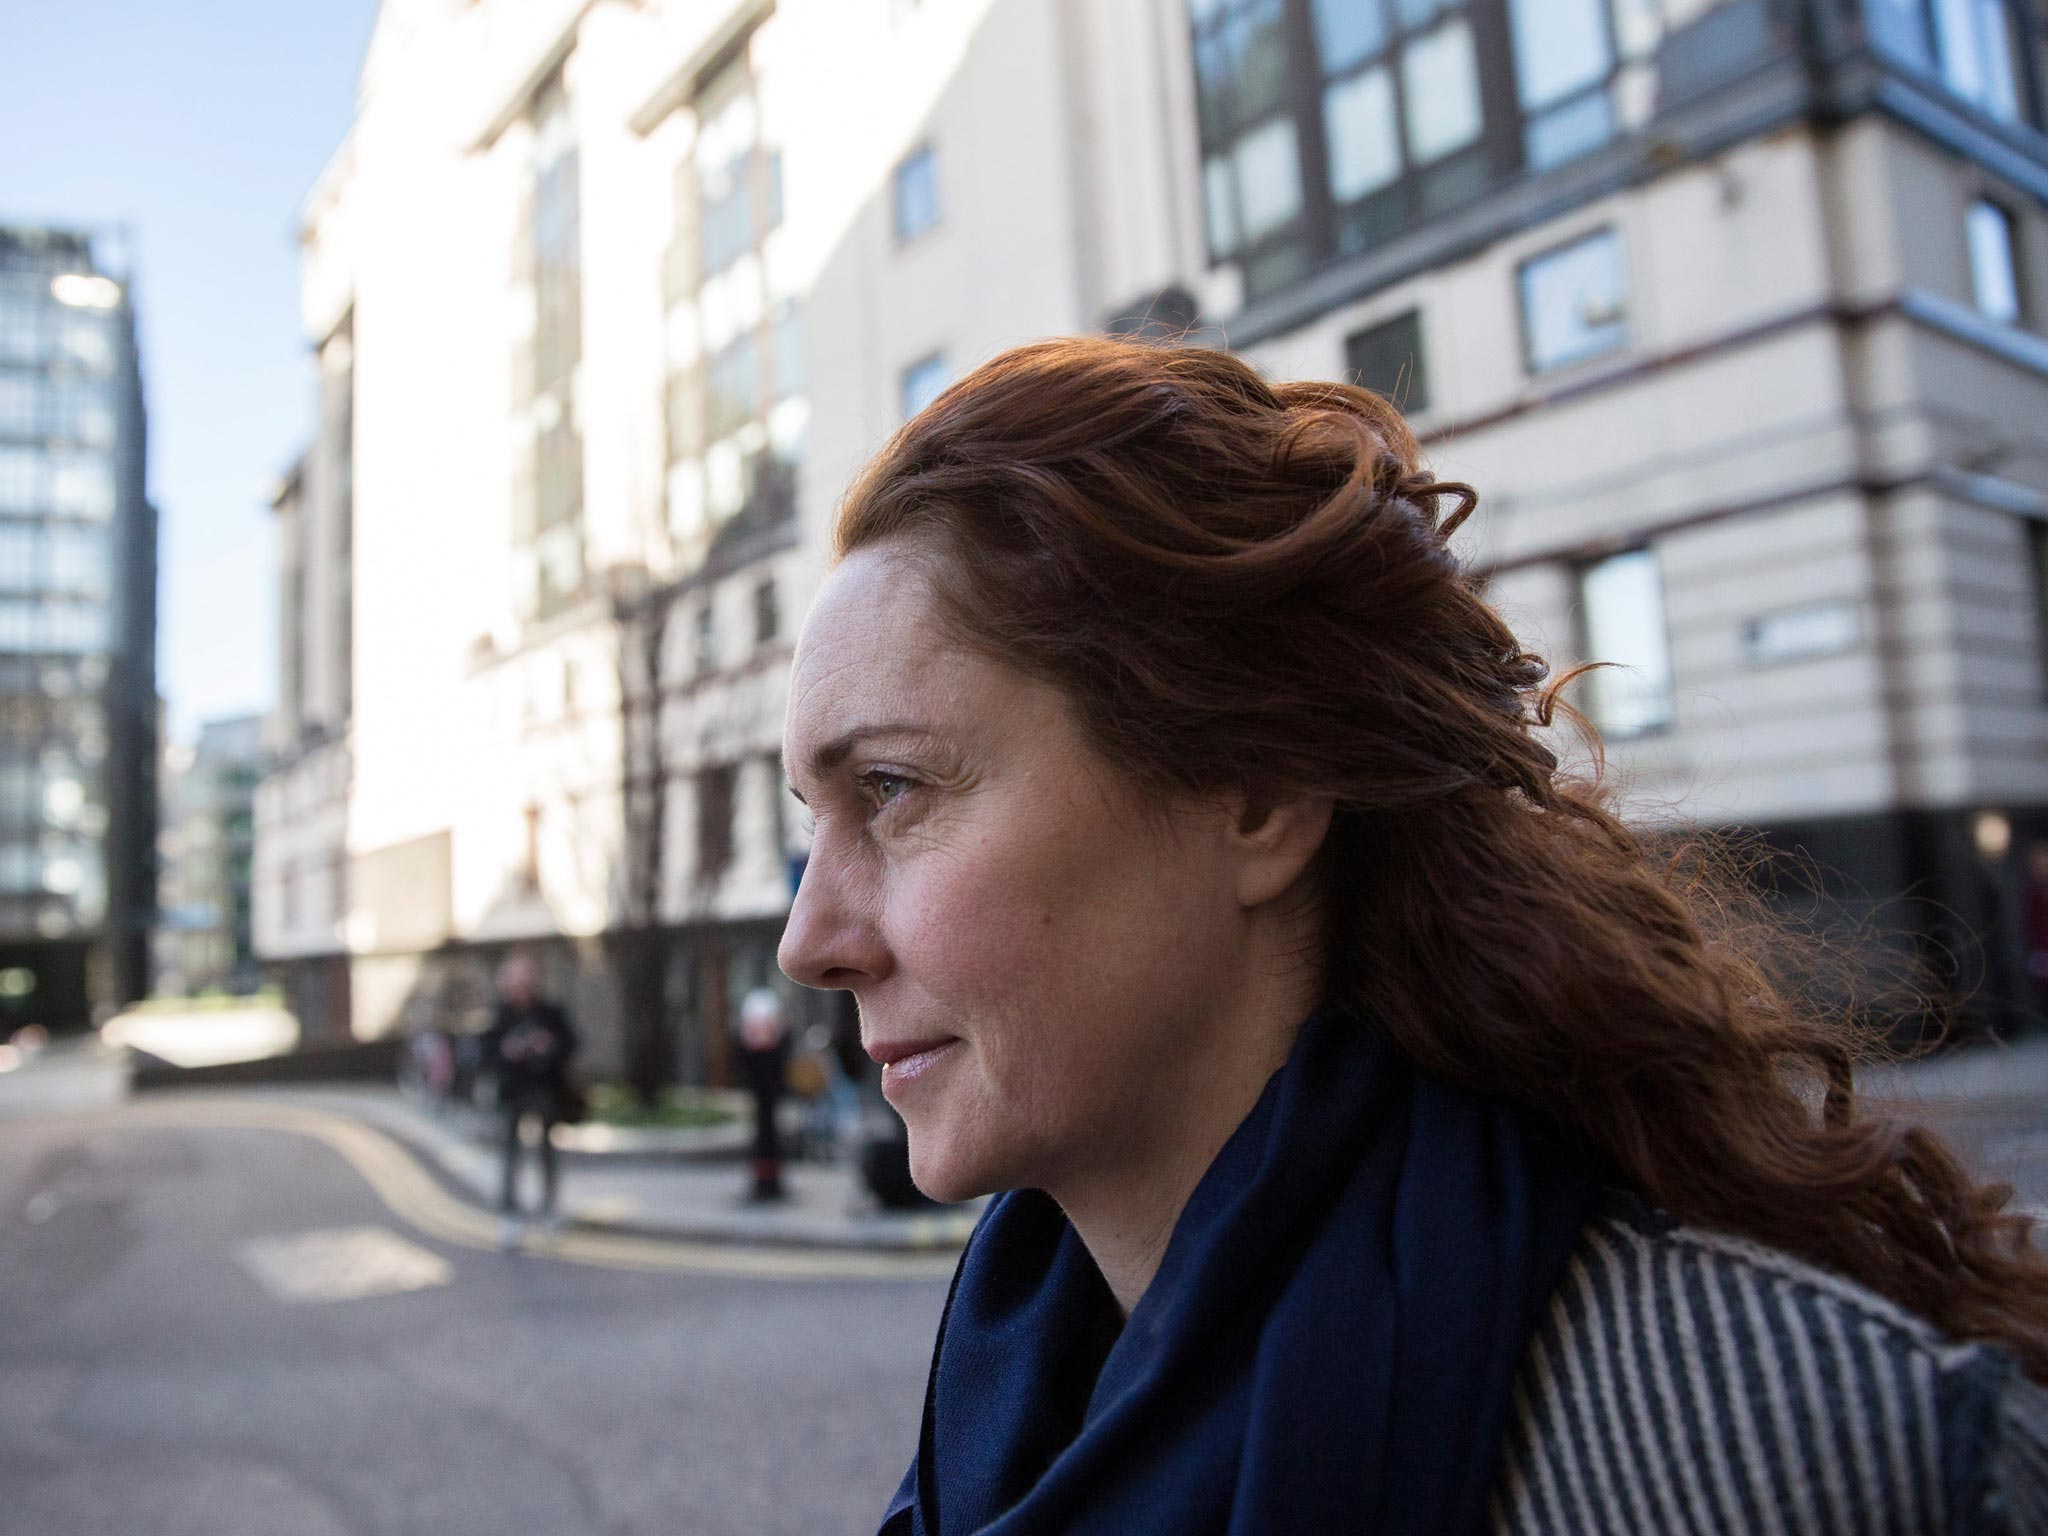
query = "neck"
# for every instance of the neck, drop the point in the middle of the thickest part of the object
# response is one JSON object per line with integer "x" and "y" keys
{"x": 1125, "y": 1211}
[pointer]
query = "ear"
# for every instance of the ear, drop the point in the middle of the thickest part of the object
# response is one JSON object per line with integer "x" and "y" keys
{"x": 1275, "y": 840}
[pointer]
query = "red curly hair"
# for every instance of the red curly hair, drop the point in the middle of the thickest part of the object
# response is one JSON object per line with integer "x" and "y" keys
{"x": 1248, "y": 585}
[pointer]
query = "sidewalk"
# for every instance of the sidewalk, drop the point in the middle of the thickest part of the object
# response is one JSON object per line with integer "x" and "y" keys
{"x": 690, "y": 1190}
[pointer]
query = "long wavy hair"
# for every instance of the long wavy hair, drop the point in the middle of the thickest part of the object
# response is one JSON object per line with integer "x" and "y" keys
{"x": 1248, "y": 586}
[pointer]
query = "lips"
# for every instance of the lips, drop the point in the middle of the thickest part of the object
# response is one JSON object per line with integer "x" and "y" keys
{"x": 904, "y": 1061}
{"x": 889, "y": 1052}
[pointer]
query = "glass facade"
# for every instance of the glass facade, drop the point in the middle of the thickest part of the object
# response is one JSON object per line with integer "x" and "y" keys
{"x": 65, "y": 363}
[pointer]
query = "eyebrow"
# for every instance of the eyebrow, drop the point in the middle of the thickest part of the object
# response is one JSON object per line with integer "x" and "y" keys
{"x": 831, "y": 754}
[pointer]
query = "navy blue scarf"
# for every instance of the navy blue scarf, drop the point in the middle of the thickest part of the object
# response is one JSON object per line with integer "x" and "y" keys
{"x": 1329, "y": 1344}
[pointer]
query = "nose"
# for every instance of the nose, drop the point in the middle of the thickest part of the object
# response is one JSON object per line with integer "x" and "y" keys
{"x": 831, "y": 941}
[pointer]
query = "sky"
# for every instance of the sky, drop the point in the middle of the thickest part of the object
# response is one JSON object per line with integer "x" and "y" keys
{"x": 201, "y": 127}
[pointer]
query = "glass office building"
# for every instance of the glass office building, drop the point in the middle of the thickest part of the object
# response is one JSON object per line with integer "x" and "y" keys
{"x": 78, "y": 712}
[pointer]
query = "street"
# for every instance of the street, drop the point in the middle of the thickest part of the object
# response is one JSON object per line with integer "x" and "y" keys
{"x": 229, "y": 1315}
{"x": 215, "y": 1330}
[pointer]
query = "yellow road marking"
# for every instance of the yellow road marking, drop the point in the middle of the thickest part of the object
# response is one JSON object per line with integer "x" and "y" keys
{"x": 411, "y": 1194}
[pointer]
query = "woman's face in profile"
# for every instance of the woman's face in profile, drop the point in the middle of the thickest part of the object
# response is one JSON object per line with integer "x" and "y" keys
{"x": 1027, "y": 938}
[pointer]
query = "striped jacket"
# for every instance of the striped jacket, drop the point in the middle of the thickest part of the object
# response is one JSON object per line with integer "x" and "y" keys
{"x": 1687, "y": 1381}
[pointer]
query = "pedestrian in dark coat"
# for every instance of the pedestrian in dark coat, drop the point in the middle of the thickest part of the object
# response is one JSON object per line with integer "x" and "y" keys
{"x": 529, "y": 1045}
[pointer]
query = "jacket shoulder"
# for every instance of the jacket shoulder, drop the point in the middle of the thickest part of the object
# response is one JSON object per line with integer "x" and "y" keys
{"x": 1685, "y": 1379}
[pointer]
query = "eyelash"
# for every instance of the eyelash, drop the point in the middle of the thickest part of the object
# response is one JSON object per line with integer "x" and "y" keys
{"x": 874, "y": 777}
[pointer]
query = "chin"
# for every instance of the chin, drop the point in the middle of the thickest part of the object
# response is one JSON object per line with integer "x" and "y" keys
{"x": 949, "y": 1174}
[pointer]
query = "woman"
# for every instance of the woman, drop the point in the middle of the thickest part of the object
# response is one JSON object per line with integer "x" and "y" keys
{"x": 1392, "y": 1141}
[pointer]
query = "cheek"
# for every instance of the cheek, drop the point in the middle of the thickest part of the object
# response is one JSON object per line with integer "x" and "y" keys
{"x": 1055, "y": 937}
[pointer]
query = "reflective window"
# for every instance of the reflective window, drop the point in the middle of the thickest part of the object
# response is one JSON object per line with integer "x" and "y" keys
{"x": 21, "y": 404}
{"x": 550, "y": 523}
{"x": 1252, "y": 176}
{"x": 922, "y": 382}
{"x": 21, "y": 479}
{"x": 1440, "y": 82}
{"x": 1561, "y": 48}
{"x": 1569, "y": 58}
{"x": 82, "y": 487}
{"x": 88, "y": 341}
{"x": 22, "y": 333}
{"x": 76, "y": 559}
{"x": 735, "y": 339}
{"x": 1994, "y": 275}
{"x": 1621, "y": 613}
{"x": 20, "y": 564}
{"x": 726, "y": 140}
{"x": 1364, "y": 142}
{"x": 1268, "y": 178}
{"x": 1330, "y": 126}
{"x": 1974, "y": 46}
{"x": 1348, "y": 31}
{"x": 917, "y": 193}
{"x": 735, "y": 385}
{"x": 1574, "y": 302}
{"x": 1978, "y": 53}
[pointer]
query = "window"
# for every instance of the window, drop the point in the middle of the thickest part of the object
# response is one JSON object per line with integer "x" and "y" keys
{"x": 21, "y": 405}
{"x": 714, "y": 821}
{"x": 1994, "y": 276}
{"x": 767, "y": 615}
{"x": 1252, "y": 170}
{"x": 551, "y": 520}
{"x": 1329, "y": 126}
{"x": 77, "y": 559}
{"x": 1387, "y": 358}
{"x": 735, "y": 386}
{"x": 1570, "y": 56}
{"x": 1978, "y": 54}
{"x": 22, "y": 329}
{"x": 922, "y": 382}
{"x": 1972, "y": 45}
{"x": 21, "y": 480}
{"x": 20, "y": 565}
{"x": 736, "y": 415}
{"x": 2037, "y": 557}
{"x": 82, "y": 486}
{"x": 1621, "y": 609}
{"x": 917, "y": 193}
{"x": 1574, "y": 302}
{"x": 704, "y": 642}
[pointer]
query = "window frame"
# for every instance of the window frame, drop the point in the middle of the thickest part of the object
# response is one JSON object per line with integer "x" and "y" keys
{"x": 935, "y": 361}
{"x": 924, "y": 153}
{"x": 1583, "y": 641}
{"x": 1410, "y": 404}
{"x": 2009, "y": 229}
{"x": 1531, "y": 366}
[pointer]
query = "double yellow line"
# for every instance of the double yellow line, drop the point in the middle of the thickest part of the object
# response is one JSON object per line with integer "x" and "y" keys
{"x": 413, "y": 1196}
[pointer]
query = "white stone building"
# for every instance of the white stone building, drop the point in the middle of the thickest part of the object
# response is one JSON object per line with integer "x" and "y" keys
{"x": 1732, "y": 311}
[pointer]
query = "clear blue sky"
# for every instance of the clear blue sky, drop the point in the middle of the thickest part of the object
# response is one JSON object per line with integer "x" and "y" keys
{"x": 201, "y": 127}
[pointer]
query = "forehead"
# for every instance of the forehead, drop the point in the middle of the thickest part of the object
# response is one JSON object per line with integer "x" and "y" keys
{"x": 872, "y": 649}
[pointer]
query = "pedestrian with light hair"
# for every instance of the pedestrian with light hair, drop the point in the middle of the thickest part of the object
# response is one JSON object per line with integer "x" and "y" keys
{"x": 1384, "y": 1135}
